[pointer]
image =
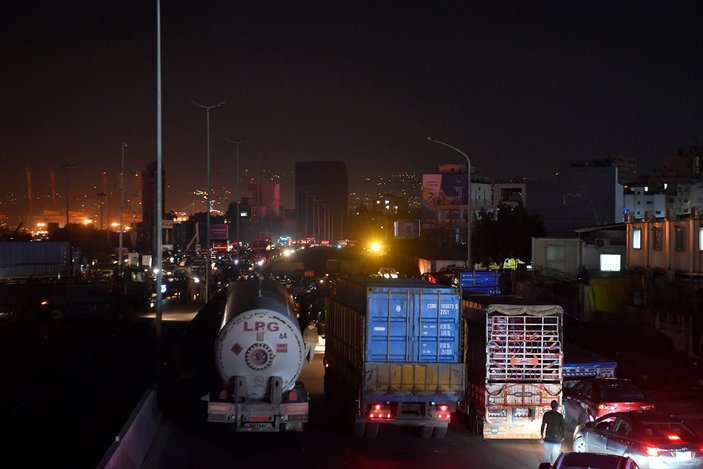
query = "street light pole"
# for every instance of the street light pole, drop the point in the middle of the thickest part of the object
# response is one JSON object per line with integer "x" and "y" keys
{"x": 468, "y": 198}
{"x": 207, "y": 219}
{"x": 122, "y": 176}
{"x": 237, "y": 198}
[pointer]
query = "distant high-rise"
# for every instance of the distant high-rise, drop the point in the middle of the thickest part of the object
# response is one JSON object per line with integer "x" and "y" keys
{"x": 321, "y": 194}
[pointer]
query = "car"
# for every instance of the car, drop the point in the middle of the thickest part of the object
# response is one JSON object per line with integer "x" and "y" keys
{"x": 387, "y": 272}
{"x": 183, "y": 284}
{"x": 590, "y": 460}
{"x": 440, "y": 278}
{"x": 653, "y": 439}
{"x": 594, "y": 397}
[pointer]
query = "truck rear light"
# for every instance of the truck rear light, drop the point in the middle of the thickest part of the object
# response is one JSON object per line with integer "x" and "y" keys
{"x": 297, "y": 408}
{"x": 441, "y": 412}
{"x": 379, "y": 412}
{"x": 220, "y": 408}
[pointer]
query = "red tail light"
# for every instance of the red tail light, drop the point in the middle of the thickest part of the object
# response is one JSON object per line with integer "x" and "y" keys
{"x": 379, "y": 412}
{"x": 442, "y": 412}
{"x": 673, "y": 437}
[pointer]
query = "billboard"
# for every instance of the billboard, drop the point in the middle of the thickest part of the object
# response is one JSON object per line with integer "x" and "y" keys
{"x": 406, "y": 229}
{"x": 219, "y": 231}
{"x": 444, "y": 193}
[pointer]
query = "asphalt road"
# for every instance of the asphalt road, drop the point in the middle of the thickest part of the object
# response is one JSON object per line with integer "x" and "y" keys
{"x": 188, "y": 442}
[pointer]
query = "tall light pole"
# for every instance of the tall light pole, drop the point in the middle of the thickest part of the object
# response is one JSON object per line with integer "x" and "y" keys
{"x": 469, "y": 266}
{"x": 158, "y": 209}
{"x": 122, "y": 176}
{"x": 67, "y": 167}
{"x": 207, "y": 219}
{"x": 237, "y": 198}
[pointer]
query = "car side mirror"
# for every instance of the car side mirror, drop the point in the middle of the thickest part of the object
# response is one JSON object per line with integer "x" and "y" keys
{"x": 545, "y": 465}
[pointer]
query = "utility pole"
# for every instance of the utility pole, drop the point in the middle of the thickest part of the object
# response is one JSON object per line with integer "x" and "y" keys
{"x": 469, "y": 266}
{"x": 208, "y": 194}
{"x": 122, "y": 177}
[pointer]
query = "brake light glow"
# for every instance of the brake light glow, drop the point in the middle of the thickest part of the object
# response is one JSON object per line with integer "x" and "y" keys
{"x": 673, "y": 437}
{"x": 442, "y": 412}
{"x": 379, "y": 412}
{"x": 45, "y": 302}
{"x": 220, "y": 408}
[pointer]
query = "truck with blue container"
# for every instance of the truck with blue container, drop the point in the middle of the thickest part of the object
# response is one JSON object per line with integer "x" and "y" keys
{"x": 393, "y": 354}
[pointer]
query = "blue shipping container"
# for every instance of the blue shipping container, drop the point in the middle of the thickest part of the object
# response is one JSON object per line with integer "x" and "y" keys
{"x": 407, "y": 321}
{"x": 477, "y": 281}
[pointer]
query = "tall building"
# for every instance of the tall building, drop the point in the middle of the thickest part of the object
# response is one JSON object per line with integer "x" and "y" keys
{"x": 264, "y": 199}
{"x": 321, "y": 194}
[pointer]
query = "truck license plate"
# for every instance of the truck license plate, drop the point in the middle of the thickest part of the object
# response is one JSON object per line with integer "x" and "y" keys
{"x": 258, "y": 425}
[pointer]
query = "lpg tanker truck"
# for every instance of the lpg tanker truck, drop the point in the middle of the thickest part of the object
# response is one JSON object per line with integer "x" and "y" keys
{"x": 259, "y": 356}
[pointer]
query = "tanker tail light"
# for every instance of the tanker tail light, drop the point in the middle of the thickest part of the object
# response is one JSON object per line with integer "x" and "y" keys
{"x": 380, "y": 412}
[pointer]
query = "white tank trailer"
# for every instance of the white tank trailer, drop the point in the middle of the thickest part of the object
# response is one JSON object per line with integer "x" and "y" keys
{"x": 259, "y": 356}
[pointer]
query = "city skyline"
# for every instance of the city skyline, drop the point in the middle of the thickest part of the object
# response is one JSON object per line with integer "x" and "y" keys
{"x": 521, "y": 87}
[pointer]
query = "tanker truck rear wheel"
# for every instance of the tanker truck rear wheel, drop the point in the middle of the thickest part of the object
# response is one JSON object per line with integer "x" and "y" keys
{"x": 359, "y": 429}
{"x": 440, "y": 432}
{"x": 426, "y": 431}
{"x": 372, "y": 430}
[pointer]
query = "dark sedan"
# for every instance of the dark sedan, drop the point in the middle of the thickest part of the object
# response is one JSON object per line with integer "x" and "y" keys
{"x": 653, "y": 439}
{"x": 592, "y": 398}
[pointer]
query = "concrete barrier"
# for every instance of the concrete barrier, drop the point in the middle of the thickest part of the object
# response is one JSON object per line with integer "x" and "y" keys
{"x": 132, "y": 443}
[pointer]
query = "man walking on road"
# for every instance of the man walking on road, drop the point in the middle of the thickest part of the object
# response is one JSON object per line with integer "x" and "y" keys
{"x": 310, "y": 339}
{"x": 552, "y": 432}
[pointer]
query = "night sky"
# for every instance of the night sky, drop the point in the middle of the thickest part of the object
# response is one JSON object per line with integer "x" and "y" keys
{"x": 522, "y": 87}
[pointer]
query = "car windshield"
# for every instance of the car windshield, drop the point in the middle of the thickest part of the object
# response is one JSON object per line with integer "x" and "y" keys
{"x": 667, "y": 431}
{"x": 620, "y": 393}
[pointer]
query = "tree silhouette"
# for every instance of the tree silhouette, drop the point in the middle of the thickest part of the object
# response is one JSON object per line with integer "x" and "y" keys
{"x": 508, "y": 232}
